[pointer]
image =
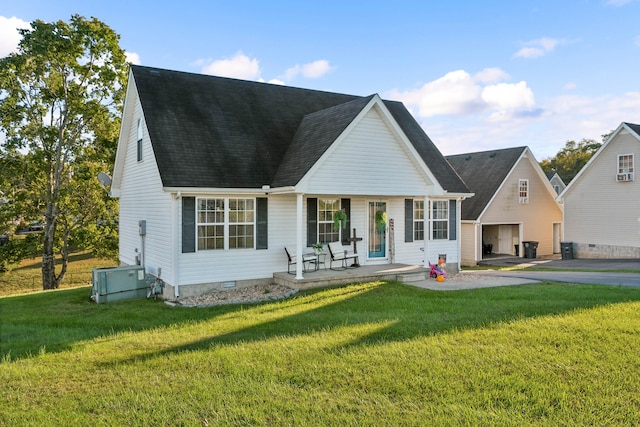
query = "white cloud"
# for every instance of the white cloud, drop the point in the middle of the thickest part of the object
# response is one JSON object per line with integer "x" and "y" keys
{"x": 239, "y": 66}
{"x": 491, "y": 75}
{"x": 9, "y": 36}
{"x": 569, "y": 86}
{"x": 460, "y": 94}
{"x": 132, "y": 58}
{"x": 463, "y": 113}
{"x": 505, "y": 96}
{"x": 454, "y": 93}
{"x": 310, "y": 70}
{"x": 537, "y": 48}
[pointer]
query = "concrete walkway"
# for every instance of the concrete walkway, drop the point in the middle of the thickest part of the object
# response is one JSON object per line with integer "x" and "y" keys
{"x": 470, "y": 280}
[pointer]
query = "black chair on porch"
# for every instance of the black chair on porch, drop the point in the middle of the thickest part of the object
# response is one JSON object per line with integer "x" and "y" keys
{"x": 307, "y": 259}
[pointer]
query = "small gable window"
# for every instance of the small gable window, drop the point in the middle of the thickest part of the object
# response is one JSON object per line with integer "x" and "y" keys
{"x": 523, "y": 191}
{"x": 139, "y": 143}
{"x": 418, "y": 220}
{"x": 439, "y": 218}
{"x": 625, "y": 167}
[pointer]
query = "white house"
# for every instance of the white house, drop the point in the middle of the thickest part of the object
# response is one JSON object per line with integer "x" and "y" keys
{"x": 217, "y": 176}
{"x": 602, "y": 203}
{"x": 556, "y": 182}
{"x": 514, "y": 203}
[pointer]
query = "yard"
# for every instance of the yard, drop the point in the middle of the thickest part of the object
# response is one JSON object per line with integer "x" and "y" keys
{"x": 379, "y": 353}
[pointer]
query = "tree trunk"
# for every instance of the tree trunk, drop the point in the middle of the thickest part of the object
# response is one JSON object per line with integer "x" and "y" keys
{"x": 65, "y": 257}
{"x": 48, "y": 260}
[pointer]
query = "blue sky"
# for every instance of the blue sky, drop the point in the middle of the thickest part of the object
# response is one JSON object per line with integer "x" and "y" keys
{"x": 477, "y": 75}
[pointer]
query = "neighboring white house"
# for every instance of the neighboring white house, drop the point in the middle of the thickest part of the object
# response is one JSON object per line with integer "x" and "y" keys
{"x": 217, "y": 176}
{"x": 602, "y": 203}
{"x": 513, "y": 203}
{"x": 556, "y": 182}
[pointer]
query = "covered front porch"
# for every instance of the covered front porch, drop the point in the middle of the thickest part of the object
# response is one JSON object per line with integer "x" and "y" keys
{"x": 364, "y": 273}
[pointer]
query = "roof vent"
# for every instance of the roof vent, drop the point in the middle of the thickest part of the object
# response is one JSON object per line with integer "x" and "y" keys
{"x": 492, "y": 155}
{"x": 468, "y": 158}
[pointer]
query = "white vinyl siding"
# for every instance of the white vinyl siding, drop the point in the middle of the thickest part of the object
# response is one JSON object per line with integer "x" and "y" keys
{"x": 600, "y": 211}
{"x": 370, "y": 160}
{"x": 142, "y": 198}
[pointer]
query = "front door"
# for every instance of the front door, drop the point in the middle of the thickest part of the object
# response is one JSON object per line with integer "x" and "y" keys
{"x": 377, "y": 230}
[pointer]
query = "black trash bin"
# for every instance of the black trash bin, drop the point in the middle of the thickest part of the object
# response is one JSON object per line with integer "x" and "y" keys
{"x": 4, "y": 239}
{"x": 530, "y": 249}
{"x": 566, "y": 249}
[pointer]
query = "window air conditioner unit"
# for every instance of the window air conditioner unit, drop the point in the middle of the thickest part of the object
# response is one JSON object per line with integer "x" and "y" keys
{"x": 621, "y": 177}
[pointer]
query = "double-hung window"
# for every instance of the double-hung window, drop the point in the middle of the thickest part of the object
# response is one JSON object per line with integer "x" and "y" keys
{"x": 225, "y": 223}
{"x": 625, "y": 167}
{"x": 418, "y": 220}
{"x": 326, "y": 209}
{"x": 523, "y": 191}
{"x": 439, "y": 218}
{"x": 210, "y": 219}
{"x": 241, "y": 223}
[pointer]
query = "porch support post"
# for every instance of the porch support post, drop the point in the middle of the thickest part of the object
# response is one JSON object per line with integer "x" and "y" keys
{"x": 299, "y": 240}
{"x": 427, "y": 230}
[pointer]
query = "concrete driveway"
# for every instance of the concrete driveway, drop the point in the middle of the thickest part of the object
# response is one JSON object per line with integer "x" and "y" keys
{"x": 472, "y": 279}
{"x": 569, "y": 275}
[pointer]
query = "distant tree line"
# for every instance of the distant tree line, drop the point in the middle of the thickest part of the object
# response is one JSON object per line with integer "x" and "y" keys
{"x": 572, "y": 158}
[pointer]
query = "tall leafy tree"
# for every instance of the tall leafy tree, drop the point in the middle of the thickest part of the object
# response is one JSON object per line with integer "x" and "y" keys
{"x": 60, "y": 102}
{"x": 571, "y": 159}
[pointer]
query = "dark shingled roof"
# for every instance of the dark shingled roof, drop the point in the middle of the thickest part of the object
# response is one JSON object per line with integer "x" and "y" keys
{"x": 635, "y": 128}
{"x": 483, "y": 172}
{"x": 215, "y": 132}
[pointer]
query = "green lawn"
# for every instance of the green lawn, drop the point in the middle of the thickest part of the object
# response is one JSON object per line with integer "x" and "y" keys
{"x": 367, "y": 354}
{"x": 27, "y": 276}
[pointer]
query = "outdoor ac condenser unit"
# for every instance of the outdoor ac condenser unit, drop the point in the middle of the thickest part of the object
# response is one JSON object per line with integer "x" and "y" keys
{"x": 118, "y": 283}
{"x": 624, "y": 177}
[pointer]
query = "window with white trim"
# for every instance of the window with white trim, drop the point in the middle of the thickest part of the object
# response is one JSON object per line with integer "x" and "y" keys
{"x": 225, "y": 223}
{"x": 241, "y": 223}
{"x": 326, "y": 209}
{"x": 523, "y": 191}
{"x": 139, "y": 140}
{"x": 418, "y": 220}
{"x": 625, "y": 163}
{"x": 439, "y": 219}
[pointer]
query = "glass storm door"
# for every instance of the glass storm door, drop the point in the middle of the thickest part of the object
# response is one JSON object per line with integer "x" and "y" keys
{"x": 377, "y": 231}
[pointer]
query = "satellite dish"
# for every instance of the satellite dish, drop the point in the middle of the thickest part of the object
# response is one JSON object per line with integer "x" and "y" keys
{"x": 104, "y": 179}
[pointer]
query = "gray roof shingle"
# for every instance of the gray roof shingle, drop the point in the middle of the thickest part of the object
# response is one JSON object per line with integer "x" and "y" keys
{"x": 634, "y": 127}
{"x": 215, "y": 132}
{"x": 483, "y": 172}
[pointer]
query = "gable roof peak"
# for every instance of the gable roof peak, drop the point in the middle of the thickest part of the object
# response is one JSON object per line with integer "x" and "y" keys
{"x": 218, "y": 132}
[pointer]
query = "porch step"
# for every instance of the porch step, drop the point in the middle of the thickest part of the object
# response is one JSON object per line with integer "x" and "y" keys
{"x": 411, "y": 277}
